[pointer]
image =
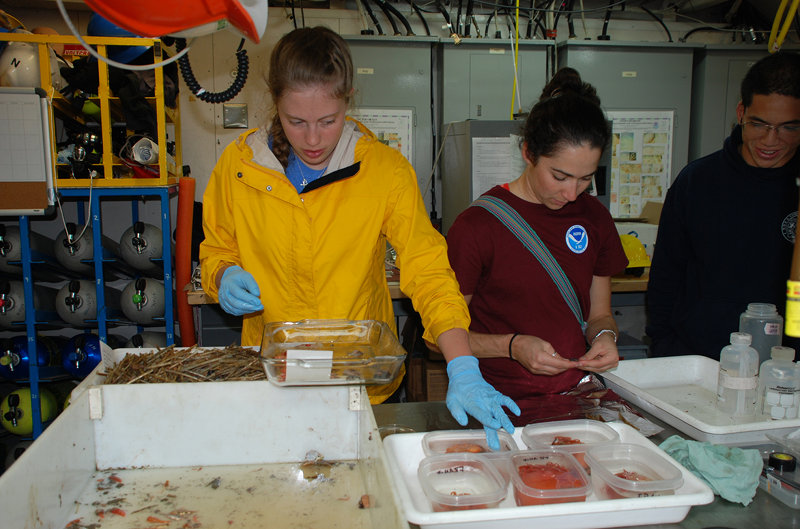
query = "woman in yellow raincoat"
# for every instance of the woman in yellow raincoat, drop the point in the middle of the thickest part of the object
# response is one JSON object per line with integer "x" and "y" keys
{"x": 297, "y": 215}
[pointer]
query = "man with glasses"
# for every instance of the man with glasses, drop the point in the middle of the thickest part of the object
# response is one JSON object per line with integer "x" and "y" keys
{"x": 727, "y": 229}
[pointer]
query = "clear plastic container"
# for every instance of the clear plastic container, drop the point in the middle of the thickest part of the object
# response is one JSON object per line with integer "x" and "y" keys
{"x": 461, "y": 481}
{"x": 779, "y": 385}
{"x": 575, "y": 436}
{"x": 765, "y": 325}
{"x": 737, "y": 384}
{"x": 631, "y": 471}
{"x": 471, "y": 441}
{"x": 548, "y": 476}
{"x": 474, "y": 442}
{"x": 330, "y": 352}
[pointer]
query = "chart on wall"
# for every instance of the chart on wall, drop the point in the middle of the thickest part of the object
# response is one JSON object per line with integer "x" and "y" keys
{"x": 394, "y": 127}
{"x": 641, "y": 159}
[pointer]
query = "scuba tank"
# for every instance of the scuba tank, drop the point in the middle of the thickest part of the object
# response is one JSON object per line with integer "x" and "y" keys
{"x": 62, "y": 391}
{"x": 139, "y": 244}
{"x": 11, "y": 250}
{"x": 15, "y": 359}
{"x": 70, "y": 252}
{"x": 143, "y": 300}
{"x": 81, "y": 354}
{"x": 16, "y": 451}
{"x": 12, "y": 301}
{"x": 16, "y": 410}
{"x": 147, "y": 340}
{"x": 76, "y": 302}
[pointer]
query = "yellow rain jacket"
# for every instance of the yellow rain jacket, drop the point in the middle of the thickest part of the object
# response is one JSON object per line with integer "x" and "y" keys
{"x": 320, "y": 254}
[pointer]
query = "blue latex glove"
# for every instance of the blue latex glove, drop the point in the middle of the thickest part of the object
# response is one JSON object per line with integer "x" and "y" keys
{"x": 468, "y": 392}
{"x": 238, "y": 292}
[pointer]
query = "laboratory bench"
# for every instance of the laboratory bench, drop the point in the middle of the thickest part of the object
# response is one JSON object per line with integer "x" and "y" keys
{"x": 764, "y": 511}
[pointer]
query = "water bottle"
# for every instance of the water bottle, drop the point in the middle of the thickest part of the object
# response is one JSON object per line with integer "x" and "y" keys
{"x": 765, "y": 325}
{"x": 779, "y": 385}
{"x": 738, "y": 377}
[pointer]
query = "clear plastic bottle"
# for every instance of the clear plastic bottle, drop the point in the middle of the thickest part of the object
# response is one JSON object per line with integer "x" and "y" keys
{"x": 737, "y": 385}
{"x": 765, "y": 325}
{"x": 779, "y": 385}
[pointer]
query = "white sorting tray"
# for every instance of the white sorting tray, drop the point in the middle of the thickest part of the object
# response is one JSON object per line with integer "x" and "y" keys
{"x": 166, "y": 444}
{"x": 682, "y": 391}
{"x": 404, "y": 453}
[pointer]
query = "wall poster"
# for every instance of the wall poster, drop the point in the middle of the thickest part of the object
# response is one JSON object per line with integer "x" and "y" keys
{"x": 641, "y": 159}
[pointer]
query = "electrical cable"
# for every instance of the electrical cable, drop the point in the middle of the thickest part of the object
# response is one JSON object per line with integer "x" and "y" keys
{"x": 115, "y": 64}
{"x": 561, "y": 8}
{"x": 515, "y": 51}
{"x": 570, "y": 24}
{"x": 488, "y": 21}
{"x": 583, "y": 21}
{"x": 529, "y": 27}
{"x": 436, "y": 160}
{"x": 468, "y": 18}
{"x": 604, "y": 35}
{"x": 458, "y": 16}
{"x": 294, "y": 17}
{"x": 382, "y": 5}
{"x": 403, "y": 20}
{"x": 695, "y": 30}
{"x": 477, "y": 27}
{"x": 373, "y": 17}
{"x": 453, "y": 34}
{"x": 214, "y": 97}
{"x": 418, "y": 11}
{"x": 776, "y": 37}
{"x": 659, "y": 20}
{"x": 362, "y": 14}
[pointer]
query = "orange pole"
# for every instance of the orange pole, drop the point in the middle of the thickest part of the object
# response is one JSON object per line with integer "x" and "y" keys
{"x": 183, "y": 259}
{"x": 792, "y": 323}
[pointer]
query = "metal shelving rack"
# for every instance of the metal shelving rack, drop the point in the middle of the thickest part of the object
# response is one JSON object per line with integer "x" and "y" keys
{"x": 106, "y": 185}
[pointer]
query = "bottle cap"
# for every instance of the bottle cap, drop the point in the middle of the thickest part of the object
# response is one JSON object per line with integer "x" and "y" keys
{"x": 780, "y": 352}
{"x": 741, "y": 338}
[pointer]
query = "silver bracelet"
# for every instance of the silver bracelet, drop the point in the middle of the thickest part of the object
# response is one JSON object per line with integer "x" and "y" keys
{"x": 604, "y": 331}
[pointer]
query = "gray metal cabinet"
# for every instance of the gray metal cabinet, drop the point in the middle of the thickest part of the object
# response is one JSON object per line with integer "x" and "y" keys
{"x": 639, "y": 76}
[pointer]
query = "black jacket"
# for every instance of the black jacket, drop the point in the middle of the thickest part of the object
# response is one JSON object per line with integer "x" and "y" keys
{"x": 725, "y": 239}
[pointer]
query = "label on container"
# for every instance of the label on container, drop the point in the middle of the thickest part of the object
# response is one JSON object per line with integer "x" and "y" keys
{"x": 732, "y": 382}
{"x": 308, "y": 365}
{"x": 793, "y": 308}
{"x": 772, "y": 329}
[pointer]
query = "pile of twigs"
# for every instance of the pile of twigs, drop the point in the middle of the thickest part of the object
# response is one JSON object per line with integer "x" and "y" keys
{"x": 192, "y": 364}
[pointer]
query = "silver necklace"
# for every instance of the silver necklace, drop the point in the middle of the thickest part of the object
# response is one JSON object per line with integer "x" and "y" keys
{"x": 300, "y": 164}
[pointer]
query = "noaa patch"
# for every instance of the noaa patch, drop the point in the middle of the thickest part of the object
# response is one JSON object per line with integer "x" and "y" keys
{"x": 788, "y": 226}
{"x": 577, "y": 238}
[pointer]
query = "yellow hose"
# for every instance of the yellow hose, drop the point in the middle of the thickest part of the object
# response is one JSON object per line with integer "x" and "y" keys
{"x": 776, "y": 38}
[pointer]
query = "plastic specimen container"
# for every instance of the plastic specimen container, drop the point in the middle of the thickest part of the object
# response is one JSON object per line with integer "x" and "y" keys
{"x": 330, "y": 352}
{"x": 474, "y": 442}
{"x": 461, "y": 481}
{"x": 631, "y": 471}
{"x": 575, "y": 436}
{"x": 548, "y": 476}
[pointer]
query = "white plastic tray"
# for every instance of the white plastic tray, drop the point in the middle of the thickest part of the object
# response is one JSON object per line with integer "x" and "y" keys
{"x": 681, "y": 391}
{"x": 404, "y": 452}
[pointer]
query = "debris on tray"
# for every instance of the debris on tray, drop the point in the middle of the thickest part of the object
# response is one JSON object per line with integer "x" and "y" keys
{"x": 365, "y": 502}
{"x": 192, "y": 364}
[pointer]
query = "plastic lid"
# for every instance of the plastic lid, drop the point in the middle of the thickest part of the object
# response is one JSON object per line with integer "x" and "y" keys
{"x": 741, "y": 338}
{"x": 780, "y": 352}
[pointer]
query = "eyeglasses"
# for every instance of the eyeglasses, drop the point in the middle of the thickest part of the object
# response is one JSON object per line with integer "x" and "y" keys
{"x": 759, "y": 128}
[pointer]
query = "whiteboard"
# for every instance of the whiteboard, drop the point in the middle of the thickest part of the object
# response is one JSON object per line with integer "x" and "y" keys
{"x": 26, "y": 166}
